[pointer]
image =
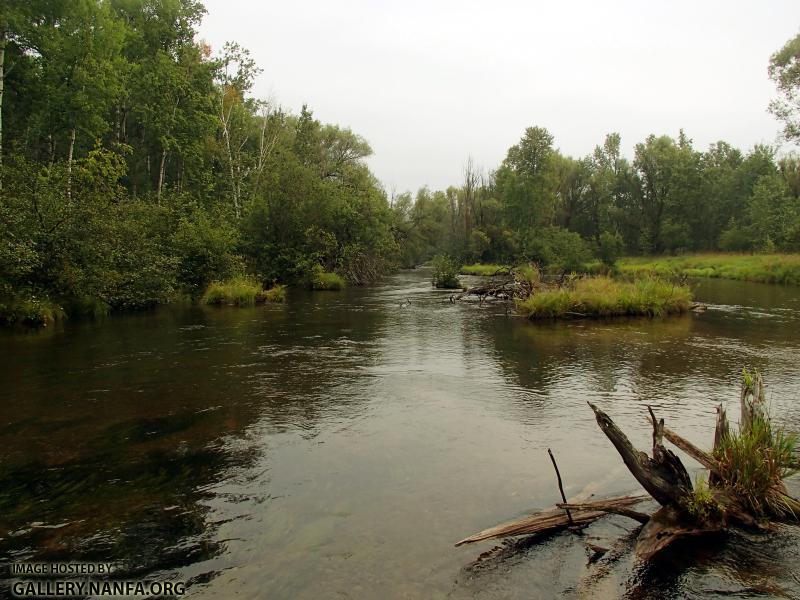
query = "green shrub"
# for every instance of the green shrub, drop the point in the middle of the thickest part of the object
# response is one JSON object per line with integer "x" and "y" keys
{"x": 445, "y": 272}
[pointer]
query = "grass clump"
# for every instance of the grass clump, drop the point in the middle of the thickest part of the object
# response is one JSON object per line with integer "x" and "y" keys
{"x": 237, "y": 291}
{"x": 754, "y": 462}
{"x": 701, "y": 504}
{"x": 445, "y": 273}
{"x": 484, "y": 270}
{"x": 605, "y": 297}
{"x": 277, "y": 293}
{"x": 764, "y": 268}
{"x": 320, "y": 279}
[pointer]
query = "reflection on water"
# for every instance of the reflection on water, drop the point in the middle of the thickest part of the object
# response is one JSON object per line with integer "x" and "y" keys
{"x": 338, "y": 445}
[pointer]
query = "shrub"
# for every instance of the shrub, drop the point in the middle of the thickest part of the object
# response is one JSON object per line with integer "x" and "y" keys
{"x": 445, "y": 272}
{"x": 609, "y": 248}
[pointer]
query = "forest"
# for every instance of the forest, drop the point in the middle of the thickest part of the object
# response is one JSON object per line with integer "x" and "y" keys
{"x": 139, "y": 168}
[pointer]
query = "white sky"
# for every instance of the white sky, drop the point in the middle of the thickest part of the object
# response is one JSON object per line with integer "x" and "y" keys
{"x": 429, "y": 83}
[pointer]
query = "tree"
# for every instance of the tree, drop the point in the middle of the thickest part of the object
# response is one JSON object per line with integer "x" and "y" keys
{"x": 784, "y": 70}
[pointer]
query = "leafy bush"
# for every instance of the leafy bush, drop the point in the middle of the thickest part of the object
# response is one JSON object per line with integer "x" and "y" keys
{"x": 609, "y": 248}
{"x": 445, "y": 272}
{"x": 556, "y": 248}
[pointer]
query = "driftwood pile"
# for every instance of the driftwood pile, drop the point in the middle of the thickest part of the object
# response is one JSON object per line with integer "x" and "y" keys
{"x": 667, "y": 481}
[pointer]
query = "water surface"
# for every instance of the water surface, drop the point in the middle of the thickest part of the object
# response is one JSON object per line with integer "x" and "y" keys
{"x": 338, "y": 445}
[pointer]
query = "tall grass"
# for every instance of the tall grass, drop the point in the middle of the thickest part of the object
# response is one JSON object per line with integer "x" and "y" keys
{"x": 319, "y": 279}
{"x": 605, "y": 297}
{"x": 238, "y": 291}
{"x": 766, "y": 268}
{"x": 484, "y": 270}
{"x": 753, "y": 464}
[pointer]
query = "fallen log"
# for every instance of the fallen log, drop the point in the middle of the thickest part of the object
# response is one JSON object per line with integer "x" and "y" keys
{"x": 554, "y": 519}
{"x": 745, "y": 485}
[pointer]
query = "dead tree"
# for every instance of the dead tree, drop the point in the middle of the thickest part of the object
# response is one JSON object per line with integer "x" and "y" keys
{"x": 682, "y": 512}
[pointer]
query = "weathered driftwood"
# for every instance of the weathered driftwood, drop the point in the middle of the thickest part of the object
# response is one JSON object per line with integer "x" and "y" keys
{"x": 682, "y": 513}
{"x": 554, "y": 519}
{"x": 663, "y": 476}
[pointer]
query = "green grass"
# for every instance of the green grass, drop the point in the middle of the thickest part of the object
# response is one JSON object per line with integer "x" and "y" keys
{"x": 31, "y": 311}
{"x": 606, "y": 297}
{"x": 766, "y": 268}
{"x": 753, "y": 465}
{"x": 484, "y": 270}
{"x": 237, "y": 291}
{"x": 325, "y": 280}
{"x": 276, "y": 293}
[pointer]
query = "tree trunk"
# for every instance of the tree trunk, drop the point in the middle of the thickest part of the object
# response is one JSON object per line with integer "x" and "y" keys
{"x": 161, "y": 172}
{"x": 2, "y": 87}
{"x": 69, "y": 163}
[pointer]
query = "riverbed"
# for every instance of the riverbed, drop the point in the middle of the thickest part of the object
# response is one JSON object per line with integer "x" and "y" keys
{"x": 338, "y": 445}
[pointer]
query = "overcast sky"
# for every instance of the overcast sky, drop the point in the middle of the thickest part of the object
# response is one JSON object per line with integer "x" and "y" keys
{"x": 429, "y": 83}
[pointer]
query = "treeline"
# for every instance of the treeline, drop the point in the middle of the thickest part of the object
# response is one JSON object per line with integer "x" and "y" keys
{"x": 543, "y": 206}
{"x": 137, "y": 165}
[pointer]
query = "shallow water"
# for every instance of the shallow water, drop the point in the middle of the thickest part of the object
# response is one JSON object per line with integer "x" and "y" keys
{"x": 338, "y": 445}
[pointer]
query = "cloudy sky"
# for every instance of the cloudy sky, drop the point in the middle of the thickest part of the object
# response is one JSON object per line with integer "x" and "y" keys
{"x": 429, "y": 83}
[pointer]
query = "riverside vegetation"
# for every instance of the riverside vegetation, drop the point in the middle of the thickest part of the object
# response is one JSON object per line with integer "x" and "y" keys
{"x": 138, "y": 167}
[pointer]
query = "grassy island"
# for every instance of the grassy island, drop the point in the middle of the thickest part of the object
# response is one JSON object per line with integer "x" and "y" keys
{"x": 242, "y": 291}
{"x": 606, "y": 297}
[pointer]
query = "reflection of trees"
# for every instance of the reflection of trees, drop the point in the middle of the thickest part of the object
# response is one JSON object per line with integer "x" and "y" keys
{"x": 128, "y": 430}
{"x": 540, "y": 355}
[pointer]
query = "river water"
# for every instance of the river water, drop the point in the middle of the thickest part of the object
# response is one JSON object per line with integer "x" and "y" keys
{"x": 338, "y": 445}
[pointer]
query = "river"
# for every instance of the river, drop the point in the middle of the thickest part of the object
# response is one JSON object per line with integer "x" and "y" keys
{"x": 338, "y": 445}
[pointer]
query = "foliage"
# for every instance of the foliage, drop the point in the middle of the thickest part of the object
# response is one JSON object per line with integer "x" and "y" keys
{"x": 604, "y": 297}
{"x": 784, "y": 70}
{"x": 445, "y": 272}
{"x": 237, "y": 291}
{"x": 609, "y": 248}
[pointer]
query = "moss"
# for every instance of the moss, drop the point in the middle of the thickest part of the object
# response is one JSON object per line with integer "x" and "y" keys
{"x": 605, "y": 297}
